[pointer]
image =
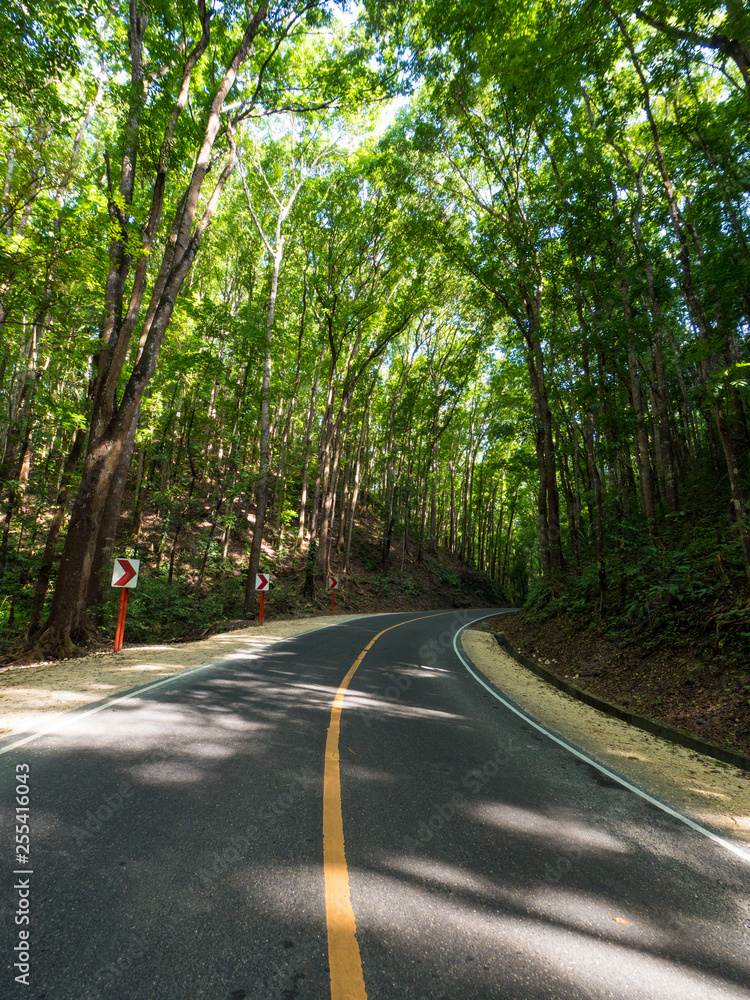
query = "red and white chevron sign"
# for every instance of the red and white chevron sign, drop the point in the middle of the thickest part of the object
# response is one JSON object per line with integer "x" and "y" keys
{"x": 126, "y": 573}
{"x": 262, "y": 581}
{"x": 333, "y": 582}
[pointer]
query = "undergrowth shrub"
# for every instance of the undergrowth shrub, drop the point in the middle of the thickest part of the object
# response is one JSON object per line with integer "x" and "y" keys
{"x": 682, "y": 581}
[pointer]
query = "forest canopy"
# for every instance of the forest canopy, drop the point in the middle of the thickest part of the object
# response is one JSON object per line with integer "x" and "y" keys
{"x": 476, "y": 276}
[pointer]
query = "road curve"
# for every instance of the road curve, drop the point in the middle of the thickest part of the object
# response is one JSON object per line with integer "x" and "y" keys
{"x": 177, "y": 847}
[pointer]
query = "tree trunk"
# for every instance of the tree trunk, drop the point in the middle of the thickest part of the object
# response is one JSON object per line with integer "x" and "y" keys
{"x": 48, "y": 558}
{"x": 355, "y": 484}
{"x": 261, "y": 491}
{"x": 697, "y": 313}
{"x": 644, "y": 458}
{"x": 589, "y": 430}
{"x": 105, "y": 545}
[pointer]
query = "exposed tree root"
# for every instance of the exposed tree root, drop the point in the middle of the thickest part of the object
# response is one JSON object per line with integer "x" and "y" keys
{"x": 54, "y": 643}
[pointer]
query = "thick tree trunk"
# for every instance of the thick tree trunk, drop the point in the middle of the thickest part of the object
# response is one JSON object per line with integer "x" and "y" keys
{"x": 105, "y": 545}
{"x": 68, "y": 623}
{"x": 50, "y": 548}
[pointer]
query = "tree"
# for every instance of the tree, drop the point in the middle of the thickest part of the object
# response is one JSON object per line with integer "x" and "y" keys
{"x": 115, "y": 408}
{"x": 304, "y": 160}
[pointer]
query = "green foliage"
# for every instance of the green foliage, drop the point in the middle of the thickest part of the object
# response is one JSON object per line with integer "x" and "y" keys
{"x": 158, "y": 610}
{"x": 282, "y": 598}
{"x": 451, "y": 579}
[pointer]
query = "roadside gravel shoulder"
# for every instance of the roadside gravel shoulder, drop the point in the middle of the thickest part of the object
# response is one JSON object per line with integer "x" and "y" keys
{"x": 710, "y": 792}
{"x": 32, "y": 695}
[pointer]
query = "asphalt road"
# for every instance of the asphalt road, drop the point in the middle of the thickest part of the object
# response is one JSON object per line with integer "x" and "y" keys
{"x": 177, "y": 850}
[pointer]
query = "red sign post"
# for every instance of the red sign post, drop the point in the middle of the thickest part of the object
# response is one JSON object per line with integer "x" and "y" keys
{"x": 333, "y": 583}
{"x": 262, "y": 584}
{"x": 125, "y": 576}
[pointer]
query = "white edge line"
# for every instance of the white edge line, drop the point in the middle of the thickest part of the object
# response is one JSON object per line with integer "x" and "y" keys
{"x": 600, "y": 767}
{"x": 75, "y": 715}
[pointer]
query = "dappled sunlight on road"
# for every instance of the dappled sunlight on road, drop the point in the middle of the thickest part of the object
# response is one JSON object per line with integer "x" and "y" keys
{"x": 443, "y": 873}
{"x": 364, "y": 702}
{"x": 587, "y": 947}
{"x": 575, "y": 938}
{"x": 555, "y": 829}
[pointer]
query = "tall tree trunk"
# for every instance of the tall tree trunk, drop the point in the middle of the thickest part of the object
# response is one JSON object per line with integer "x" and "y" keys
{"x": 261, "y": 489}
{"x": 452, "y": 517}
{"x": 48, "y": 557}
{"x": 548, "y": 503}
{"x": 589, "y": 431}
{"x": 329, "y": 490}
{"x": 644, "y": 459}
{"x": 323, "y": 467}
{"x": 105, "y": 546}
{"x": 355, "y": 483}
{"x": 308, "y": 449}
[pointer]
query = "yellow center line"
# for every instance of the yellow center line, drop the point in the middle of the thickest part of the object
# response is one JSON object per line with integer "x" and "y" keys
{"x": 347, "y": 979}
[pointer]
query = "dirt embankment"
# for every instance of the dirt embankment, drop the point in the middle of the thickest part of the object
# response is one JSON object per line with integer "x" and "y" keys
{"x": 707, "y": 699}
